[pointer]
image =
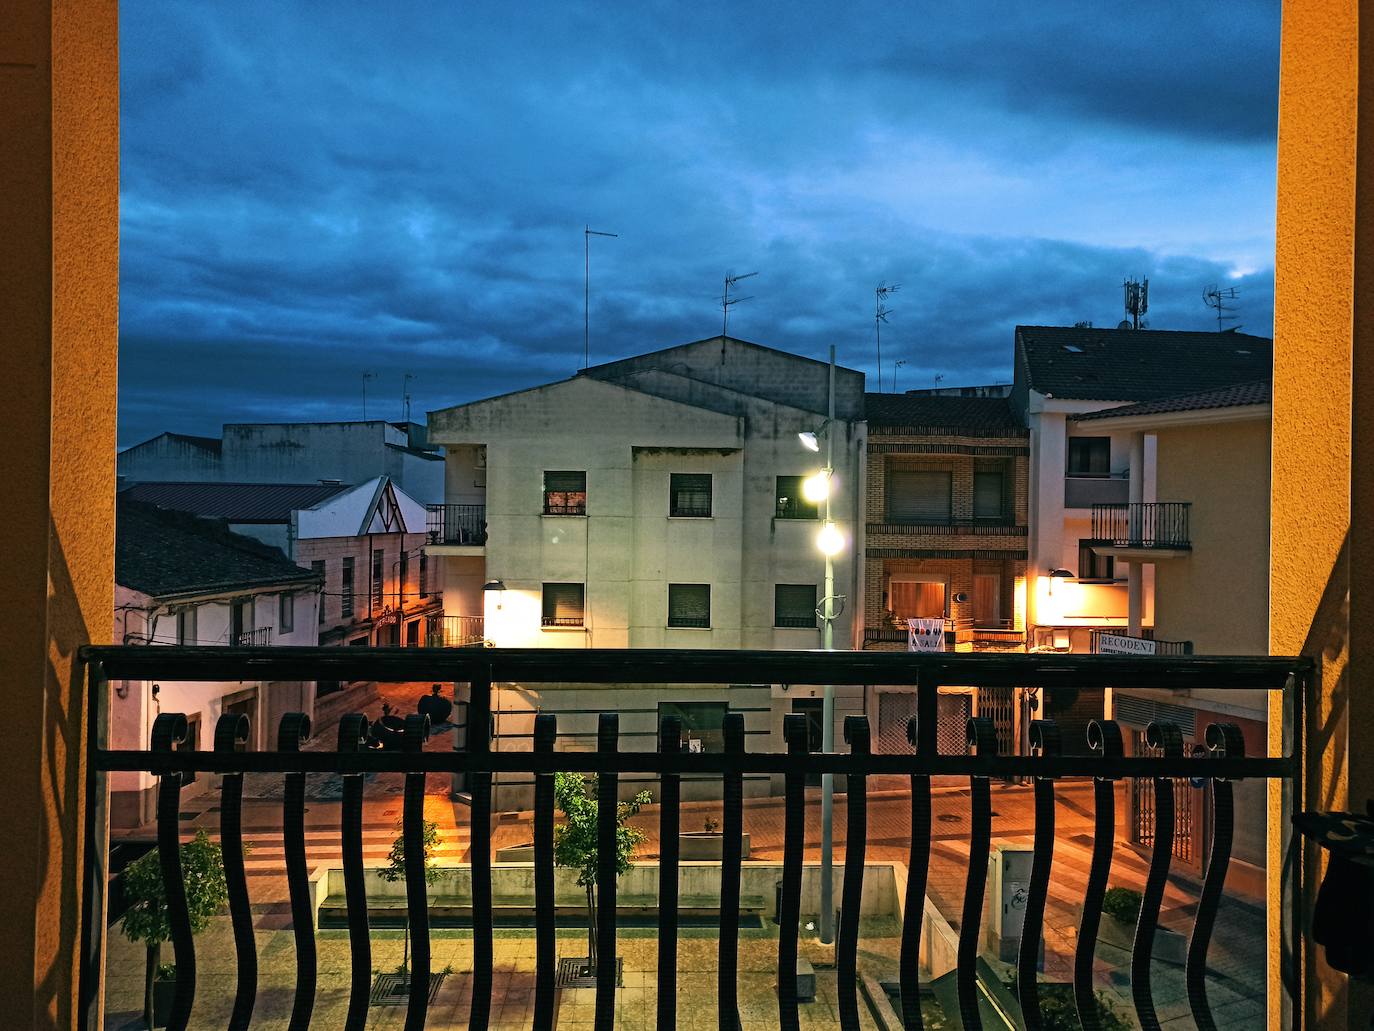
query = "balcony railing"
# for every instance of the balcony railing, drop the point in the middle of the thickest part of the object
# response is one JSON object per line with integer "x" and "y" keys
{"x": 1156, "y": 524}
{"x": 443, "y": 631}
{"x": 259, "y": 638}
{"x": 990, "y": 528}
{"x": 1156, "y": 646}
{"x": 1224, "y": 762}
{"x": 457, "y": 524}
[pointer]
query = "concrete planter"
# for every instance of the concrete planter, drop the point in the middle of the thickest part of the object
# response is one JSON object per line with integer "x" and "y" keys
{"x": 700, "y": 846}
{"x": 1169, "y": 946}
{"x": 516, "y": 853}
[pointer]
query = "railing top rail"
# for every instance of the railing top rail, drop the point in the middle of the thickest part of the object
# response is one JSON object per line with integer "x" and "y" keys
{"x": 687, "y": 666}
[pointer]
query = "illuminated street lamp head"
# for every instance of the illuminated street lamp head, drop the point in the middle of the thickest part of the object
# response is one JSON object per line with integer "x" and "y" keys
{"x": 830, "y": 541}
{"x": 809, "y": 440}
{"x": 817, "y": 488}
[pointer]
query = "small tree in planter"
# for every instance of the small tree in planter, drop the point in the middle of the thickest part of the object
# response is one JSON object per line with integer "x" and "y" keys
{"x": 1122, "y": 904}
{"x": 574, "y": 842}
{"x": 395, "y": 871}
{"x": 146, "y": 919}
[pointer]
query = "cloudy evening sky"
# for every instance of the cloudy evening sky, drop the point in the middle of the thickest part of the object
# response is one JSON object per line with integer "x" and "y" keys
{"x": 315, "y": 191}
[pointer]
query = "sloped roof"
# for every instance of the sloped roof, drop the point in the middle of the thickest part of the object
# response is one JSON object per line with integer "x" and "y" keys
{"x": 235, "y": 502}
{"x": 164, "y": 553}
{"x": 933, "y": 414}
{"x": 355, "y": 511}
{"x": 1137, "y": 364}
{"x": 1234, "y": 396}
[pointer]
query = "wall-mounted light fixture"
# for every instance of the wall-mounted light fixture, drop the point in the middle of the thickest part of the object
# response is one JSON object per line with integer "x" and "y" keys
{"x": 499, "y": 586}
{"x": 1059, "y": 574}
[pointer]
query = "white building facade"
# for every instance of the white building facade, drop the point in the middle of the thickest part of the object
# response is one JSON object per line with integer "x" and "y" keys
{"x": 655, "y": 503}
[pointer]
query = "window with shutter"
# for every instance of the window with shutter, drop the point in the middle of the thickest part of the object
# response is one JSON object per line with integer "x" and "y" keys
{"x": 918, "y": 599}
{"x": 987, "y": 495}
{"x": 689, "y": 605}
{"x": 689, "y": 495}
{"x": 565, "y": 493}
{"x": 794, "y": 606}
{"x": 918, "y": 496}
{"x": 563, "y": 604}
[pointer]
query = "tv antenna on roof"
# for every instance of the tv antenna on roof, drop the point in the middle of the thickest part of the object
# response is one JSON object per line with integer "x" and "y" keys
{"x": 880, "y": 313}
{"x": 587, "y": 233}
{"x": 727, "y": 302}
{"x": 405, "y": 395}
{"x": 366, "y": 376}
{"x": 1216, "y": 297}
{"x": 1137, "y": 295}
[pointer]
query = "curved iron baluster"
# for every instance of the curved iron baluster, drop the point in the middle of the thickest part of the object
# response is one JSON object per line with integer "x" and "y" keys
{"x": 918, "y": 863}
{"x": 727, "y": 956}
{"x": 793, "y": 840}
{"x": 1224, "y": 741}
{"x": 294, "y": 731}
{"x": 1169, "y": 739}
{"x": 545, "y": 945}
{"x": 231, "y": 731}
{"x": 480, "y": 727}
{"x": 353, "y": 732}
{"x": 1045, "y": 740}
{"x": 417, "y": 886}
{"x": 856, "y": 837}
{"x": 607, "y": 788}
{"x": 1104, "y": 738}
{"x": 670, "y": 798}
{"x": 169, "y": 730}
{"x": 982, "y": 737}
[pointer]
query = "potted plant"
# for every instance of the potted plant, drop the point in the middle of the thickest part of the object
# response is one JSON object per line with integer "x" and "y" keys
{"x": 146, "y": 919}
{"x": 574, "y": 842}
{"x": 708, "y": 843}
{"x": 395, "y": 871}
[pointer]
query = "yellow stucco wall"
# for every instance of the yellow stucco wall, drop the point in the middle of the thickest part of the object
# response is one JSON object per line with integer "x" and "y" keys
{"x": 1323, "y": 337}
{"x": 1218, "y": 596}
{"x": 59, "y": 263}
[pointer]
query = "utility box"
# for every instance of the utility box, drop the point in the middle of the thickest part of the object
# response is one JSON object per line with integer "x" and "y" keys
{"x": 1009, "y": 873}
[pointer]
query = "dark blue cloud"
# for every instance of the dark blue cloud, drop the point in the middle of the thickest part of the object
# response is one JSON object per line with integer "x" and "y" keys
{"x": 313, "y": 192}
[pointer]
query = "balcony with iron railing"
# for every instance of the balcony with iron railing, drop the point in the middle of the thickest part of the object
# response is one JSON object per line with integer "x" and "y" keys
{"x": 261, "y": 637}
{"x": 457, "y": 525}
{"x": 445, "y": 631}
{"x": 1051, "y": 765}
{"x": 1156, "y": 529}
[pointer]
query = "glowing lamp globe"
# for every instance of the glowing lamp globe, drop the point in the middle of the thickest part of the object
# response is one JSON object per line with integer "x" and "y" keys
{"x": 816, "y": 488}
{"x": 830, "y": 541}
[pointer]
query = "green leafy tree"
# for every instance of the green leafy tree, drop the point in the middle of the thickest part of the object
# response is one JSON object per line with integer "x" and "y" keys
{"x": 395, "y": 871}
{"x": 146, "y": 919}
{"x": 575, "y": 842}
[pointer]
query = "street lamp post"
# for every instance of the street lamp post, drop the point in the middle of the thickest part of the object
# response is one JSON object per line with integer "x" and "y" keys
{"x": 830, "y": 541}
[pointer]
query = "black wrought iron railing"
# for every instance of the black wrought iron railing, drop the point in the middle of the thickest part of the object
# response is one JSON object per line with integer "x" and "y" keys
{"x": 457, "y": 524}
{"x": 259, "y": 638}
{"x": 1154, "y": 524}
{"x": 1225, "y": 762}
{"x": 1109, "y": 642}
{"x": 444, "y": 631}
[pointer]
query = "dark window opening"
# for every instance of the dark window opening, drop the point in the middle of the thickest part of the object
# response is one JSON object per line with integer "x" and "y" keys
{"x": 989, "y": 495}
{"x": 346, "y": 588}
{"x": 689, "y": 495}
{"x": 565, "y": 493}
{"x": 1090, "y": 456}
{"x": 794, "y": 606}
{"x": 702, "y": 724}
{"x": 1092, "y": 566}
{"x": 789, "y": 501}
{"x": 563, "y": 604}
{"x": 689, "y": 605}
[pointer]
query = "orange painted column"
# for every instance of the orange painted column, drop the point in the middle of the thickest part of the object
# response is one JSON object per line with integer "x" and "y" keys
{"x": 1322, "y": 502}
{"x": 59, "y": 266}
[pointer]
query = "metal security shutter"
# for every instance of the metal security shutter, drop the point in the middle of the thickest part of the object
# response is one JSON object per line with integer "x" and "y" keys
{"x": 951, "y": 735}
{"x": 895, "y": 709}
{"x": 689, "y": 605}
{"x": 690, "y": 495}
{"x": 918, "y": 496}
{"x": 987, "y": 495}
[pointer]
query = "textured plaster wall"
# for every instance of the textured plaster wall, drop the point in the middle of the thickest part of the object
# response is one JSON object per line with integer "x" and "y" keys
{"x": 59, "y": 206}
{"x": 1321, "y": 320}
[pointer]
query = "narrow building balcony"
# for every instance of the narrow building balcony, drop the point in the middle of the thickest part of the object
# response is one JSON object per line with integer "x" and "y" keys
{"x": 1092, "y": 491}
{"x": 445, "y": 631}
{"x": 456, "y": 529}
{"x": 1142, "y": 531}
{"x": 259, "y": 638}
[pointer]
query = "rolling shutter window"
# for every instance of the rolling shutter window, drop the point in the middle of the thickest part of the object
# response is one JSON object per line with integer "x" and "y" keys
{"x": 918, "y": 496}
{"x": 689, "y": 605}
{"x": 987, "y": 495}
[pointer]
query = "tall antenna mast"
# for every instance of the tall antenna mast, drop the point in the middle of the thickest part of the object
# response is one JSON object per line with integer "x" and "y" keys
{"x": 587, "y": 233}
{"x": 895, "y": 366}
{"x": 1137, "y": 297}
{"x": 1215, "y": 297}
{"x": 727, "y": 302}
{"x": 366, "y": 376}
{"x": 880, "y": 313}
{"x": 405, "y": 395}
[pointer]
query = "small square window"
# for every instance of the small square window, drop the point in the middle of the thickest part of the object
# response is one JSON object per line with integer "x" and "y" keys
{"x": 689, "y": 605}
{"x": 789, "y": 501}
{"x": 689, "y": 495}
{"x": 563, "y": 604}
{"x": 565, "y": 493}
{"x": 794, "y": 606}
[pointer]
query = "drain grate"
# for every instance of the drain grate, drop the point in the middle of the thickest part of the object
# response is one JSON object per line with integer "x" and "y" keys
{"x": 572, "y": 973}
{"x": 394, "y": 989}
